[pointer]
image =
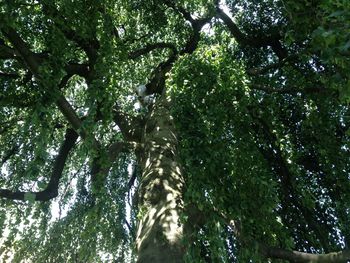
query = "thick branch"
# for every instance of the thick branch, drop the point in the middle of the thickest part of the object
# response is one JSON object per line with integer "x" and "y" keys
{"x": 51, "y": 190}
{"x": 8, "y": 154}
{"x": 9, "y": 75}
{"x": 272, "y": 40}
{"x": 296, "y": 256}
{"x": 23, "y": 50}
{"x": 156, "y": 85}
{"x": 196, "y": 24}
{"x": 289, "y": 197}
{"x": 277, "y": 65}
{"x": 133, "y": 177}
{"x": 235, "y": 31}
{"x": 130, "y": 127}
{"x": 70, "y": 114}
{"x": 101, "y": 165}
{"x": 115, "y": 149}
{"x": 6, "y": 52}
{"x": 82, "y": 70}
{"x": 286, "y": 254}
{"x": 187, "y": 15}
{"x": 157, "y": 82}
{"x": 286, "y": 90}
{"x": 29, "y": 57}
{"x": 89, "y": 45}
{"x": 33, "y": 62}
{"x": 150, "y": 47}
{"x": 192, "y": 43}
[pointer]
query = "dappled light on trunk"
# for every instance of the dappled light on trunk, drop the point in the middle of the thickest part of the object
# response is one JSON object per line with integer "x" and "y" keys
{"x": 160, "y": 204}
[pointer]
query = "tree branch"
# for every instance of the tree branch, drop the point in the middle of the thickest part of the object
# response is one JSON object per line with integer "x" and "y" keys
{"x": 5, "y": 51}
{"x": 29, "y": 57}
{"x": 157, "y": 82}
{"x": 130, "y": 127}
{"x": 187, "y": 15}
{"x": 51, "y": 190}
{"x": 8, "y": 154}
{"x": 100, "y": 166}
{"x": 9, "y": 75}
{"x": 296, "y": 256}
{"x": 116, "y": 148}
{"x": 272, "y": 40}
{"x": 286, "y": 90}
{"x": 151, "y": 47}
{"x": 70, "y": 114}
{"x": 89, "y": 45}
{"x": 33, "y": 62}
{"x": 133, "y": 177}
{"x": 82, "y": 70}
{"x": 289, "y": 197}
{"x": 277, "y": 65}
{"x": 196, "y": 24}
{"x": 286, "y": 254}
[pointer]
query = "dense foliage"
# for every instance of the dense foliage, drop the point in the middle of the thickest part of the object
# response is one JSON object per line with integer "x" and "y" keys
{"x": 259, "y": 92}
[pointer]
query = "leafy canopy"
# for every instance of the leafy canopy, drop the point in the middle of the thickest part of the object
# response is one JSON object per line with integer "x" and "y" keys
{"x": 261, "y": 104}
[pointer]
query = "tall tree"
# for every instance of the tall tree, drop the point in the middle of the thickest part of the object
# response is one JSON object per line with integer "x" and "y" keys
{"x": 174, "y": 131}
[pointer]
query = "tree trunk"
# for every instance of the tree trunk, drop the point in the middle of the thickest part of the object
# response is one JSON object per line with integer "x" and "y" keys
{"x": 159, "y": 231}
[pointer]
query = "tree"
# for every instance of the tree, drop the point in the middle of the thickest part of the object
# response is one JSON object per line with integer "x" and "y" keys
{"x": 175, "y": 131}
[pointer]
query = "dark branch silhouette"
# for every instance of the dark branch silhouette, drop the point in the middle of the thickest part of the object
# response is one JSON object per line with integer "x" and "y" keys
{"x": 150, "y": 47}
{"x": 51, "y": 190}
{"x": 129, "y": 126}
{"x": 273, "y": 66}
{"x": 296, "y": 256}
{"x": 287, "y": 89}
{"x": 288, "y": 195}
{"x": 89, "y": 45}
{"x": 6, "y": 52}
{"x": 262, "y": 40}
{"x": 33, "y": 62}
{"x": 157, "y": 82}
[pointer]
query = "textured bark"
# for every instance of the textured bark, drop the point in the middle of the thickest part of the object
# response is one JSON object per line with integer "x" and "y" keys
{"x": 159, "y": 233}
